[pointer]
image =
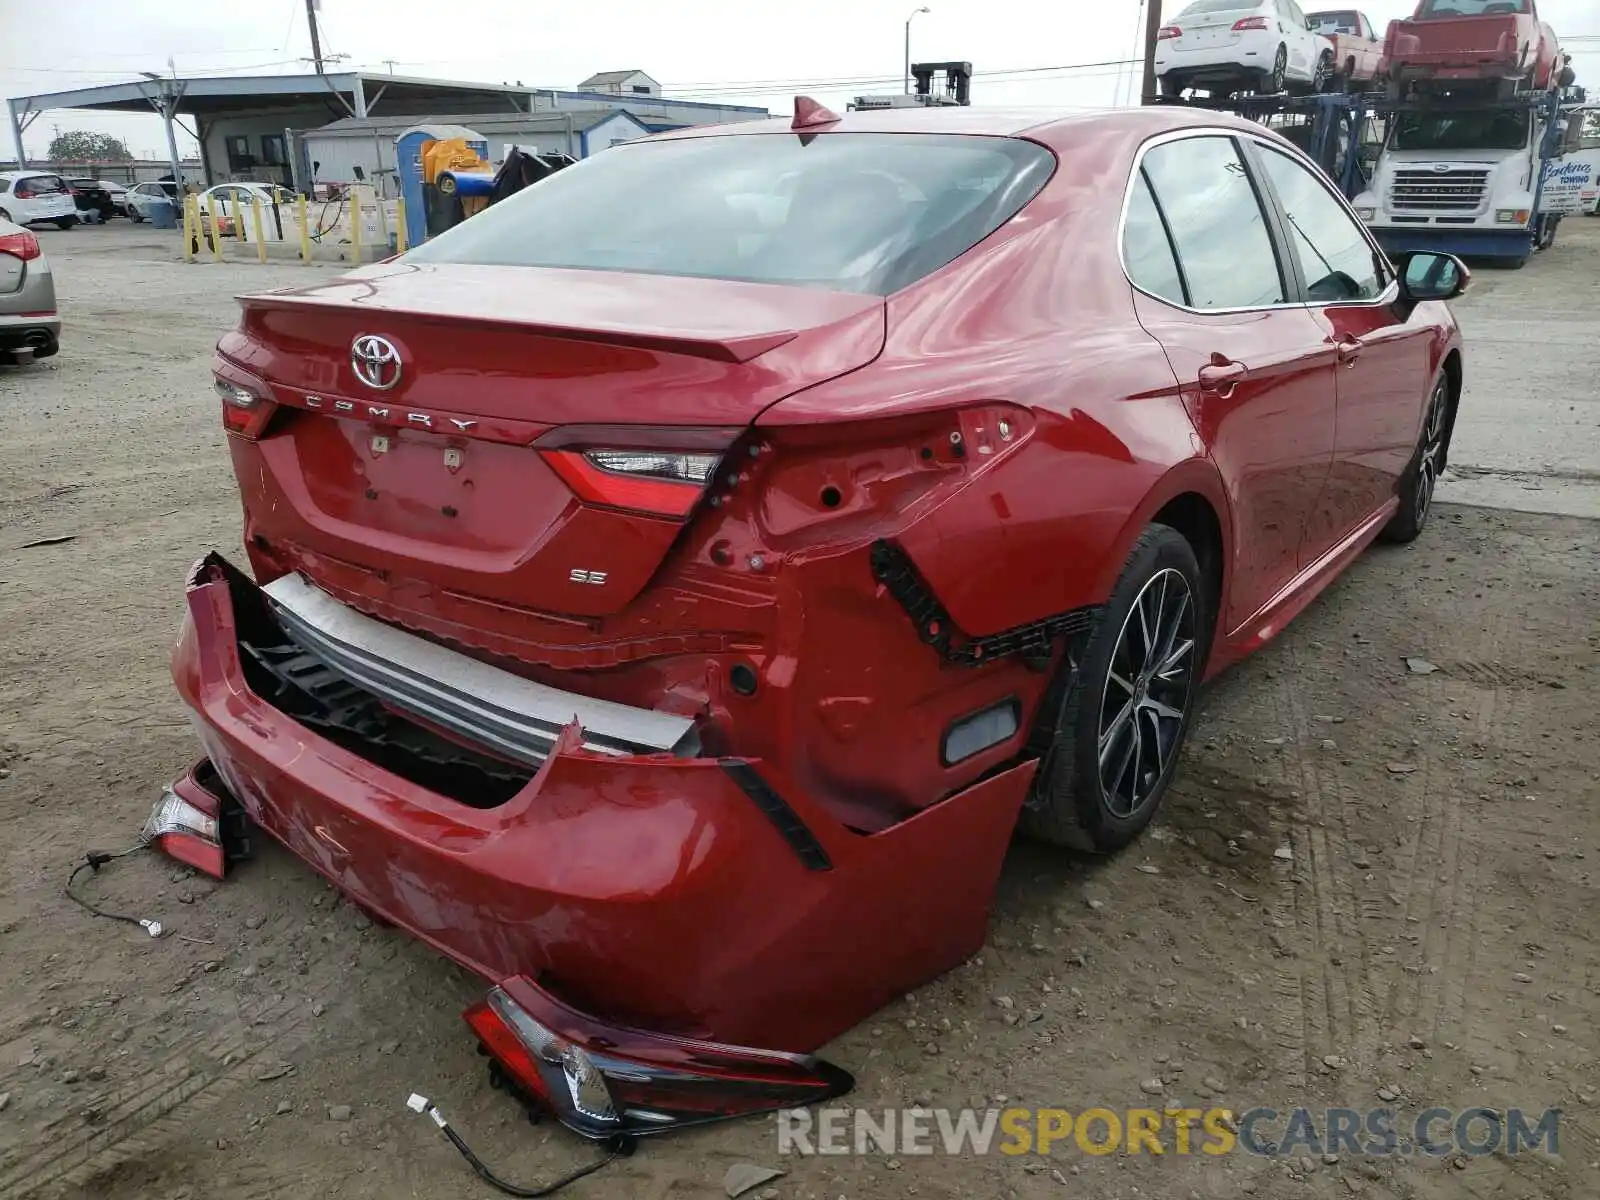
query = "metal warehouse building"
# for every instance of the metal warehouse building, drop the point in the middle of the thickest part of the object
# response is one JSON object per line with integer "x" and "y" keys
{"x": 253, "y": 127}
{"x": 336, "y": 152}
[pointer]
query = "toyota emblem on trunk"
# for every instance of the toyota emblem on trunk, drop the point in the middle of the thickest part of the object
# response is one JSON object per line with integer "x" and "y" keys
{"x": 375, "y": 361}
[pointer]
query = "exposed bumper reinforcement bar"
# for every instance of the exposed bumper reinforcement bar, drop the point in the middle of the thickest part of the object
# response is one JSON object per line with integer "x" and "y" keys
{"x": 517, "y": 717}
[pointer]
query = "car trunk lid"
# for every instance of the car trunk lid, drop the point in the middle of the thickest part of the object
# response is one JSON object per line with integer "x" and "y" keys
{"x": 432, "y": 478}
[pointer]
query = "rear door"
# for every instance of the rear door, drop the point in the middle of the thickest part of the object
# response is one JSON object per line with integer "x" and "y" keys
{"x": 1385, "y": 361}
{"x": 1257, "y": 375}
{"x": 1303, "y": 44}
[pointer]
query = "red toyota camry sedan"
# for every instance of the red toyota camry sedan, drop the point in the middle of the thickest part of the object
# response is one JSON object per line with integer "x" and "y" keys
{"x": 671, "y": 589}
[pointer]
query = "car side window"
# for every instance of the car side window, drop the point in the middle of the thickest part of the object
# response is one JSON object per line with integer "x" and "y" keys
{"x": 1146, "y": 249}
{"x": 5, "y": 186}
{"x": 1336, "y": 260}
{"x": 1218, "y": 225}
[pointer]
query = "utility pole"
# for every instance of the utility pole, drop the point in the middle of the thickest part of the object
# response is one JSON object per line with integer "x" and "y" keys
{"x": 316, "y": 42}
{"x": 1152, "y": 26}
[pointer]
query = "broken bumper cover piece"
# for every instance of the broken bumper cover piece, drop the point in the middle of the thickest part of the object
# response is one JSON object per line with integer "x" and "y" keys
{"x": 649, "y": 890}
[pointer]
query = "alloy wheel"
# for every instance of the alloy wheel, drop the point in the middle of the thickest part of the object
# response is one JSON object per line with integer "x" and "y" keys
{"x": 1319, "y": 77}
{"x": 1145, "y": 697}
{"x": 1280, "y": 67}
{"x": 1432, "y": 449}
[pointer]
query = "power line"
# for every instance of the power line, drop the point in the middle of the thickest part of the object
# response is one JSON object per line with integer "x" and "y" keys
{"x": 746, "y": 84}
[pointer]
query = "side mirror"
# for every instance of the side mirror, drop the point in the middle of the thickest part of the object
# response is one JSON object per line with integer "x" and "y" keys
{"x": 1425, "y": 275}
{"x": 1572, "y": 134}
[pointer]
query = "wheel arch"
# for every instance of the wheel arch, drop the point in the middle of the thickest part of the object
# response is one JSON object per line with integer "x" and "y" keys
{"x": 1451, "y": 366}
{"x": 1190, "y": 498}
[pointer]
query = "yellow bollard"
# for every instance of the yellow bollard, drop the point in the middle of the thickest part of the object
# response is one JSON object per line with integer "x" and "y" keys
{"x": 255, "y": 214}
{"x": 189, "y": 227}
{"x": 305, "y": 229}
{"x": 355, "y": 224}
{"x": 383, "y": 221}
{"x": 400, "y": 226}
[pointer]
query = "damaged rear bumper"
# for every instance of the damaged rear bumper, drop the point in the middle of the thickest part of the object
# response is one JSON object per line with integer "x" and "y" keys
{"x": 692, "y": 896}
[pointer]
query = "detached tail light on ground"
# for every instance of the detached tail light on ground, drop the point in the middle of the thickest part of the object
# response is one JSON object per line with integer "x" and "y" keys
{"x": 198, "y": 822}
{"x": 606, "y": 1083}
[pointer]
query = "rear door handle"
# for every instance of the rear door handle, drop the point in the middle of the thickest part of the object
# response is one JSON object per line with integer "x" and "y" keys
{"x": 1349, "y": 349}
{"x": 1220, "y": 374}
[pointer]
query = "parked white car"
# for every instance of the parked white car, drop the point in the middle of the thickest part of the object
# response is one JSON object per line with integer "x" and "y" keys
{"x": 1228, "y": 46}
{"x": 30, "y": 196}
{"x": 142, "y": 195}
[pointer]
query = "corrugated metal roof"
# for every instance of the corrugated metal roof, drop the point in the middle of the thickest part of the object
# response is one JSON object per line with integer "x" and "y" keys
{"x": 499, "y": 122}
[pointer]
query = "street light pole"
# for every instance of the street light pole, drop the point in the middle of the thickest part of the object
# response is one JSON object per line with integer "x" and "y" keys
{"x": 914, "y": 12}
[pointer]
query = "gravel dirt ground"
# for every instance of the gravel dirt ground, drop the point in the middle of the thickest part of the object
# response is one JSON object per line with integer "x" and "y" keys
{"x": 1367, "y": 878}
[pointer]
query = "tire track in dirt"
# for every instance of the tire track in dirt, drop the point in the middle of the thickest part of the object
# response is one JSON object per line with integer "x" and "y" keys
{"x": 1330, "y": 905}
{"x": 137, "y": 1118}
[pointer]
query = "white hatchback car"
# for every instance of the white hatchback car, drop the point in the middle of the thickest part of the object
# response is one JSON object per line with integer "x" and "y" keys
{"x": 29, "y": 196}
{"x": 1228, "y": 46}
{"x": 142, "y": 195}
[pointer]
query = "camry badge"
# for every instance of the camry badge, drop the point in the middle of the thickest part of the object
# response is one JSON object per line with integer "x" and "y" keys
{"x": 375, "y": 361}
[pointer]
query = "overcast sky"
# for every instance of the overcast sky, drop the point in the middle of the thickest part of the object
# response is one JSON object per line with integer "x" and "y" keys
{"x": 740, "y": 52}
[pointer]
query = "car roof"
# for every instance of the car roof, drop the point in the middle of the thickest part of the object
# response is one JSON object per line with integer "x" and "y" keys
{"x": 1058, "y": 128}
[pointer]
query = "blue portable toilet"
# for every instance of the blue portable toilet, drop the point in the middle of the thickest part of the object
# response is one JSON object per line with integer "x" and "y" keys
{"x": 408, "y": 164}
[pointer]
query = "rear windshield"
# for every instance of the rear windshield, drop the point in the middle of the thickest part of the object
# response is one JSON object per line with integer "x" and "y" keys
{"x": 1472, "y": 8}
{"x": 1201, "y": 7}
{"x": 42, "y": 185}
{"x": 1333, "y": 22}
{"x": 853, "y": 212}
{"x": 1487, "y": 130}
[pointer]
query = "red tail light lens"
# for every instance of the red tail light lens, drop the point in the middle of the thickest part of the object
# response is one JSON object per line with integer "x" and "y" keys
{"x": 651, "y": 470}
{"x": 21, "y": 245}
{"x": 1168, "y": 32}
{"x": 1244, "y": 23}
{"x": 604, "y": 1082}
{"x": 246, "y": 403}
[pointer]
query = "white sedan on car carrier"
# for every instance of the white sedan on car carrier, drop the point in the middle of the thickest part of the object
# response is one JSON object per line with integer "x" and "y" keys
{"x": 1228, "y": 46}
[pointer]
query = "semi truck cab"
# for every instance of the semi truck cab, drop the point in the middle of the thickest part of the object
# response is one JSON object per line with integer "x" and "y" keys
{"x": 1464, "y": 181}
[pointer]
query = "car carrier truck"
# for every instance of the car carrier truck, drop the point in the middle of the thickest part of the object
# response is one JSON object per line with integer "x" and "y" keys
{"x": 1468, "y": 176}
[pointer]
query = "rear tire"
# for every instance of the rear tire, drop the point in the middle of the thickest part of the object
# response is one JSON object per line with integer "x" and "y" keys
{"x": 1322, "y": 73}
{"x": 1422, "y": 474}
{"x": 1276, "y": 80}
{"x": 66, "y": 223}
{"x": 1171, "y": 88}
{"x": 5, "y": 216}
{"x": 1122, "y": 726}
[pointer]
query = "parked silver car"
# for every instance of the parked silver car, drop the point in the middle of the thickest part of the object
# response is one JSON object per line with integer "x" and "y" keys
{"x": 30, "y": 327}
